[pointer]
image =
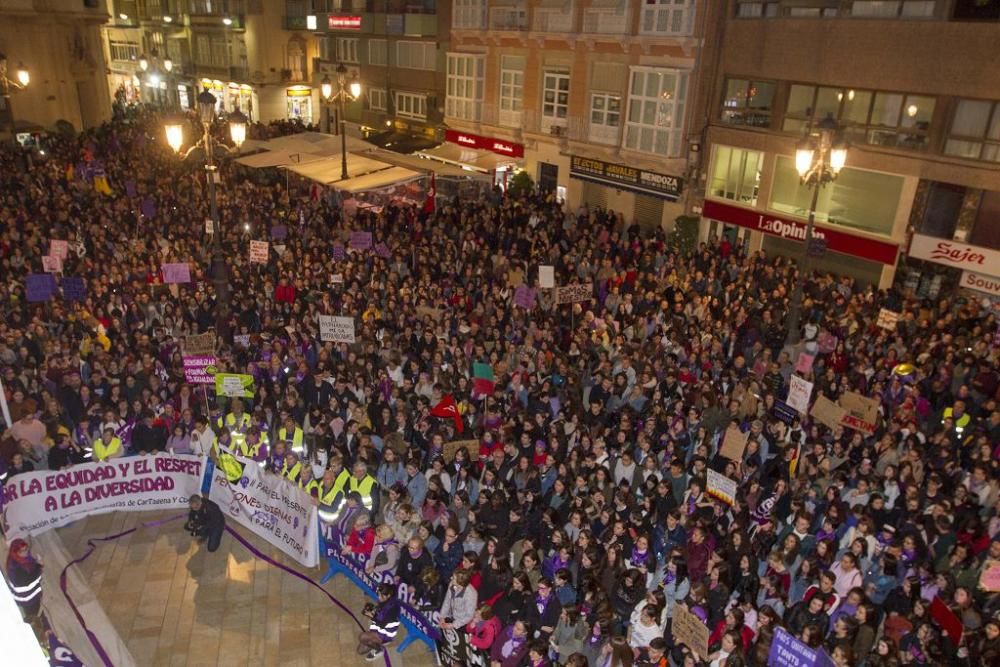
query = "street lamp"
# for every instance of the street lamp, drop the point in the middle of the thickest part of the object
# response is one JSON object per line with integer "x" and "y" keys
{"x": 819, "y": 158}
{"x": 174, "y": 130}
{"x": 345, "y": 92}
{"x": 9, "y": 86}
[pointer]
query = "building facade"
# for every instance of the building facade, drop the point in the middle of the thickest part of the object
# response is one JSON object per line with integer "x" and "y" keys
{"x": 914, "y": 85}
{"x": 59, "y": 42}
{"x": 594, "y": 93}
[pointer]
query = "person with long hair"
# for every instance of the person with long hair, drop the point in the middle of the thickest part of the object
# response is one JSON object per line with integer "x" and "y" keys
{"x": 617, "y": 653}
{"x": 24, "y": 578}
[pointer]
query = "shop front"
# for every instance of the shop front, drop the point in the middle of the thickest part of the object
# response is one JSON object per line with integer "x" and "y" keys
{"x": 650, "y": 197}
{"x": 973, "y": 267}
{"x": 784, "y": 236}
{"x": 299, "y": 104}
{"x": 231, "y": 96}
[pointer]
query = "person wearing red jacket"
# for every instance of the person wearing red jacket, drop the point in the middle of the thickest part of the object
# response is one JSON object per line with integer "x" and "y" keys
{"x": 361, "y": 539}
{"x": 733, "y": 621}
{"x": 483, "y": 628}
{"x": 284, "y": 293}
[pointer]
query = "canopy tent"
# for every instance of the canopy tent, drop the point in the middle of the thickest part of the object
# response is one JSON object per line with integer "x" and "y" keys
{"x": 276, "y": 158}
{"x": 482, "y": 161}
{"x": 317, "y": 143}
{"x": 378, "y": 179}
{"x": 328, "y": 170}
{"x": 416, "y": 163}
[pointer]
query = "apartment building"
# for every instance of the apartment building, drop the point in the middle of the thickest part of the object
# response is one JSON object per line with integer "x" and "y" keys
{"x": 594, "y": 94}
{"x": 397, "y": 50}
{"x": 915, "y": 87}
{"x": 59, "y": 43}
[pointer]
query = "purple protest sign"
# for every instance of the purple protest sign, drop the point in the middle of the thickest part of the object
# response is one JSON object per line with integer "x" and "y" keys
{"x": 787, "y": 651}
{"x": 339, "y": 252}
{"x": 199, "y": 369}
{"x": 279, "y": 232}
{"x": 524, "y": 297}
{"x": 177, "y": 272}
{"x": 148, "y": 207}
{"x": 39, "y": 287}
{"x": 130, "y": 188}
{"x": 382, "y": 250}
{"x": 361, "y": 240}
{"x": 74, "y": 289}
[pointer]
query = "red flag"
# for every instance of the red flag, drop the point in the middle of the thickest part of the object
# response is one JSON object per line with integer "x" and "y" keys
{"x": 431, "y": 193}
{"x": 448, "y": 409}
{"x": 482, "y": 387}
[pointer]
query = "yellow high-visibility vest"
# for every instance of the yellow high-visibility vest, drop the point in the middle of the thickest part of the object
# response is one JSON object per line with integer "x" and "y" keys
{"x": 104, "y": 451}
{"x": 364, "y": 487}
{"x": 293, "y": 473}
{"x": 294, "y": 443}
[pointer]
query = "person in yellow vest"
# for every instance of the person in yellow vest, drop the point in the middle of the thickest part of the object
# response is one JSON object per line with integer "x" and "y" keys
{"x": 363, "y": 483}
{"x": 331, "y": 491}
{"x": 307, "y": 482}
{"x": 226, "y": 462}
{"x": 253, "y": 446}
{"x": 238, "y": 423}
{"x": 292, "y": 435}
{"x": 958, "y": 417}
{"x": 292, "y": 467}
{"x": 108, "y": 446}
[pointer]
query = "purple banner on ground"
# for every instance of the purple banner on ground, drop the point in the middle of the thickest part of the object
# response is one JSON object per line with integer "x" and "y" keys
{"x": 74, "y": 288}
{"x": 361, "y": 240}
{"x": 39, "y": 287}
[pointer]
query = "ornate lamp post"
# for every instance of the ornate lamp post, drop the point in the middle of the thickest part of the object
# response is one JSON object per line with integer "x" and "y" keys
{"x": 345, "y": 91}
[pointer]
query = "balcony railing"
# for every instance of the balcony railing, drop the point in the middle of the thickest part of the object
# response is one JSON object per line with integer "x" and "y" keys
{"x": 553, "y": 21}
{"x": 502, "y": 18}
{"x": 606, "y": 23}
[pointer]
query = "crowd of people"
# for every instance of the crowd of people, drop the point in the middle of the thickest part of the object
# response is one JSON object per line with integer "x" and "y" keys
{"x": 576, "y": 520}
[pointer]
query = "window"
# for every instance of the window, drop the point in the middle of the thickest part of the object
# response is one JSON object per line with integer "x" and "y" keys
{"x": 124, "y": 51}
{"x": 511, "y": 90}
{"x": 465, "y": 86}
{"x": 203, "y": 50}
{"x": 758, "y": 9}
{"x": 975, "y": 131}
{"x": 666, "y": 17}
{"x": 220, "y": 53}
{"x": 655, "y": 119}
{"x": 554, "y": 16}
{"x": 555, "y": 99}
{"x": 468, "y": 14}
{"x": 605, "y": 117}
{"x": 606, "y": 19}
{"x": 735, "y": 174}
{"x": 509, "y": 18}
{"x": 347, "y": 50}
{"x": 821, "y": 12}
{"x": 411, "y": 105}
{"x": 865, "y": 200}
{"x": 416, "y": 55}
{"x": 893, "y": 8}
{"x": 376, "y": 99}
{"x": 897, "y": 120}
{"x": 377, "y": 52}
{"x": 748, "y": 102}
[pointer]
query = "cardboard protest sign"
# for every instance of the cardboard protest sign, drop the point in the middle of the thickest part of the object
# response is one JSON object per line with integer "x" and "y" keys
{"x": 336, "y": 329}
{"x": 39, "y": 287}
{"x": 52, "y": 264}
{"x": 546, "y": 276}
{"x": 449, "y": 449}
{"x": 573, "y": 293}
{"x": 515, "y": 277}
{"x": 177, "y": 272}
{"x": 804, "y": 364}
{"x": 259, "y": 251}
{"x": 734, "y": 442}
{"x": 721, "y": 487}
{"x": 524, "y": 297}
{"x": 799, "y": 393}
{"x": 827, "y": 412}
{"x": 688, "y": 629}
{"x": 360, "y": 240}
{"x": 74, "y": 288}
{"x": 887, "y": 319}
{"x": 862, "y": 412}
{"x": 59, "y": 248}
{"x": 234, "y": 384}
{"x": 200, "y": 344}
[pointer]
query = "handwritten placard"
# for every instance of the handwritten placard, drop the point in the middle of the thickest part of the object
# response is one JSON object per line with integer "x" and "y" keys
{"x": 382, "y": 250}
{"x": 887, "y": 319}
{"x": 200, "y": 344}
{"x": 989, "y": 580}
{"x": 336, "y": 329}
{"x": 339, "y": 252}
{"x": 279, "y": 232}
{"x": 734, "y": 442}
{"x": 688, "y": 629}
{"x": 59, "y": 248}
{"x": 721, "y": 487}
{"x": 524, "y": 297}
{"x": 259, "y": 251}
{"x": 804, "y": 364}
{"x": 573, "y": 293}
{"x": 52, "y": 264}
{"x": 799, "y": 393}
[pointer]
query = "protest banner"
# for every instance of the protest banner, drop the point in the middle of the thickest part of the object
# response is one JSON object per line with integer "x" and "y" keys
{"x": 887, "y": 319}
{"x": 989, "y": 580}
{"x": 734, "y": 442}
{"x": 199, "y": 369}
{"x": 827, "y": 342}
{"x": 861, "y": 412}
{"x": 799, "y": 394}
{"x": 783, "y": 411}
{"x": 59, "y": 248}
{"x": 52, "y": 264}
{"x": 279, "y": 232}
{"x": 336, "y": 329}
{"x": 546, "y": 276}
{"x": 35, "y": 502}
{"x": 787, "y": 651}
{"x": 39, "y": 287}
{"x": 339, "y": 252}
{"x": 176, "y": 272}
{"x": 454, "y": 648}
{"x": 382, "y": 250}
{"x": 721, "y": 487}
{"x": 827, "y": 412}
{"x": 573, "y": 293}
{"x": 273, "y": 508}
{"x": 688, "y": 629}
{"x": 360, "y": 240}
{"x": 200, "y": 344}
{"x": 524, "y": 297}
{"x": 804, "y": 364}
{"x": 74, "y": 288}
{"x": 243, "y": 340}
{"x": 449, "y": 449}
{"x": 234, "y": 385}
{"x": 259, "y": 251}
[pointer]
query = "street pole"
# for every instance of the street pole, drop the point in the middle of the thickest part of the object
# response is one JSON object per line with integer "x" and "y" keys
{"x": 343, "y": 140}
{"x": 795, "y": 312}
{"x": 220, "y": 276}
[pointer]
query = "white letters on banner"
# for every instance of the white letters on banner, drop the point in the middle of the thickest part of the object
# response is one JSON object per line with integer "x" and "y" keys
{"x": 272, "y": 507}
{"x": 721, "y": 487}
{"x": 336, "y": 329}
{"x": 34, "y": 502}
{"x": 799, "y": 394}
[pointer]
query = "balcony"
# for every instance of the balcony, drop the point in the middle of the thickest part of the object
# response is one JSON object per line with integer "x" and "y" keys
{"x": 613, "y": 22}
{"x": 295, "y": 23}
{"x": 549, "y": 20}
{"x": 509, "y": 18}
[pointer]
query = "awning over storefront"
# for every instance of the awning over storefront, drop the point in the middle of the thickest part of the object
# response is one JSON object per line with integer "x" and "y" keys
{"x": 278, "y": 158}
{"x": 479, "y": 160}
{"x": 328, "y": 170}
{"x": 422, "y": 164}
{"x": 378, "y": 179}
{"x": 317, "y": 143}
